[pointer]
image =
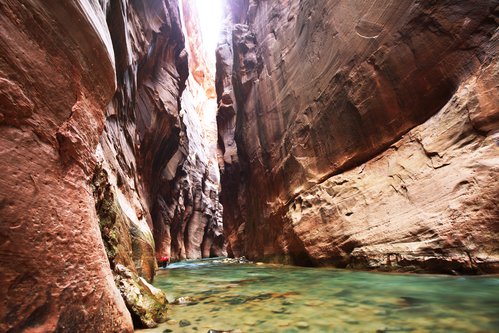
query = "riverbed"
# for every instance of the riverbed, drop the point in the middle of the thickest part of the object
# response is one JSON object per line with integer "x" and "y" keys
{"x": 251, "y": 297}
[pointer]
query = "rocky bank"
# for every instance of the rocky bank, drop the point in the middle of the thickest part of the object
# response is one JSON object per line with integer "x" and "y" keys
{"x": 361, "y": 133}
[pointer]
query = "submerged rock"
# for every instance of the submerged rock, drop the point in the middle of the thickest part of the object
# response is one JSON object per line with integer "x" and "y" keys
{"x": 302, "y": 324}
{"x": 184, "y": 323}
{"x": 240, "y": 260}
{"x": 185, "y": 300}
{"x": 281, "y": 311}
{"x": 314, "y": 303}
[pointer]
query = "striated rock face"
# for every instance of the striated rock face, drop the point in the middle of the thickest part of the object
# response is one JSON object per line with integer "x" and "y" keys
{"x": 187, "y": 214}
{"x": 84, "y": 219}
{"x": 232, "y": 194}
{"x": 143, "y": 122}
{"x": 125, "y": 243}
{"x": 159, "y": 174}
{"x": 55, "y": 79}
{"x": 361, "y": 134}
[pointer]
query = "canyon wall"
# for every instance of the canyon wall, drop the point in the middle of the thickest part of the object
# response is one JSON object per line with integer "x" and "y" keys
{"x": 361, "y": 134}
{"x": 188, "y": 213}
{"x": 103, "y": 164}
{"x": 56, "y": 77}
{"x": 153, "y": 143}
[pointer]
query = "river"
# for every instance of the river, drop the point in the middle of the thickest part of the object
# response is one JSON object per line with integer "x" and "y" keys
{"x": 274, "y": 298}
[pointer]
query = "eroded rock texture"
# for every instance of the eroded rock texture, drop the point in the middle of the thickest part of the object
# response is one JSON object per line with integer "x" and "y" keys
{"x": 162, "y": 183}
{"x": 128, "y": 248}
{"x": 188, "y": 215}
{"x": 55, "y": 79}
{"x": 99, "y": 159}
{"x": 365, "y": 133}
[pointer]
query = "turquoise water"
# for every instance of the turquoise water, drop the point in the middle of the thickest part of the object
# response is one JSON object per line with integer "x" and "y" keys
{"x": 271, "y": 298}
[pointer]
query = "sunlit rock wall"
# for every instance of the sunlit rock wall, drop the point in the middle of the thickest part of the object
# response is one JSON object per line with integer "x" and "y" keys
{"x": 57, "y": 74}
{"x": 187, "y": 214}
{"x": 361, "y": 133}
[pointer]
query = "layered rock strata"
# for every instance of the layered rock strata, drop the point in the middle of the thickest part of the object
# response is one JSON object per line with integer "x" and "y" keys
{"x": 361, "y": 134}
{"x": 83, "y": 219}
{"x": 187, "y": 212}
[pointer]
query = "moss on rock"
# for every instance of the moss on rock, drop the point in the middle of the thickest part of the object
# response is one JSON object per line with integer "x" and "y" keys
{"x": 126, "y": 246}
{"x": 147, "y": 304}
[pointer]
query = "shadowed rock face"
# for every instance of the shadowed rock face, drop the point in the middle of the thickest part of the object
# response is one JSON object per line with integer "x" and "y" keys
{"x": 187, "y": 213}
{"x": 77, "y": 212}
{"x": 361, "y": 133}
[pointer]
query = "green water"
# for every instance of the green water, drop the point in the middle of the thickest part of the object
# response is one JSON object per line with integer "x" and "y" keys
{"x": 269, "y": 298}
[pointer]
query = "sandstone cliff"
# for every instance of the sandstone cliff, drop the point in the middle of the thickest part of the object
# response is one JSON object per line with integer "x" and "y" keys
{"x": 188, "y": 220}
{"x": 56, "y": 77}
{"x": 361, "y": 133}
{"x": 102, "y": 163}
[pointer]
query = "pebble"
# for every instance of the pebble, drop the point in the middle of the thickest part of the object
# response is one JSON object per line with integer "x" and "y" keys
{"x": 172, "y": 322}
{"x": 184, "y": 301}
{"x": 167, "y": 330}
{"x": 302, "y": 324}
{"x": 184, "y": 323}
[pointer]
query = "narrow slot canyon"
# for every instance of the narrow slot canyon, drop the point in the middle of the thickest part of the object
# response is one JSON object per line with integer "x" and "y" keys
{"x": 249, "y": 166}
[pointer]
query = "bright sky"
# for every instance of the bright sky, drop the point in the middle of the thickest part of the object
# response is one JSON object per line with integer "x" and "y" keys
{"x": 210, "y": 16}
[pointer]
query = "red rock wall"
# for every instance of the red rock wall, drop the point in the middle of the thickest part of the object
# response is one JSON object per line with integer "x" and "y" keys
{"x": 55, "y": 79}
{"x": 72, "y": 72}
{"x": 187, "y": 213}
{"x": 143, "y": 122}
{"x": 142, "y": 131}
{"x": 356, "y": 143}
